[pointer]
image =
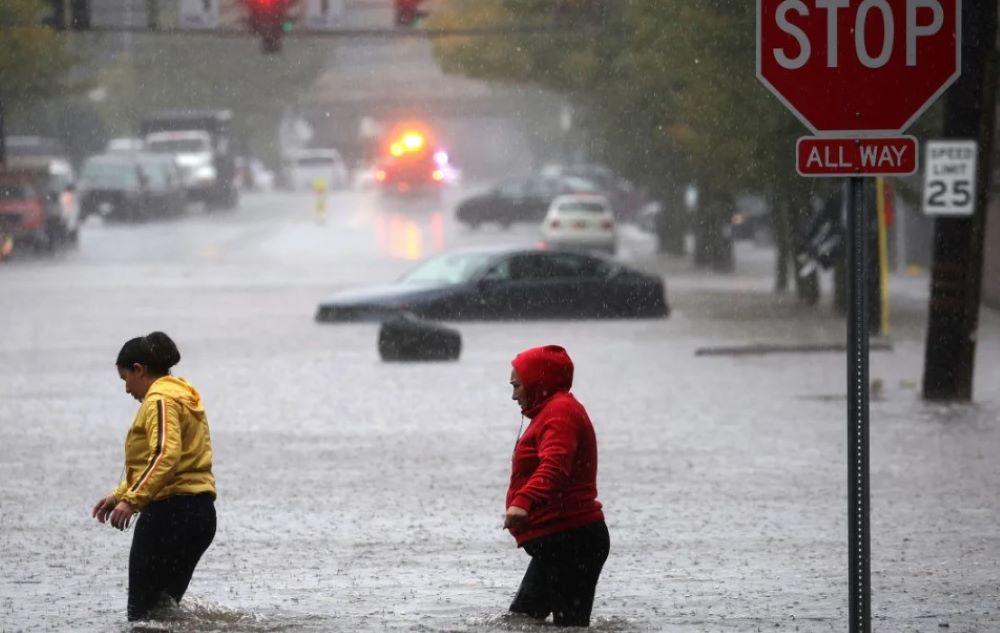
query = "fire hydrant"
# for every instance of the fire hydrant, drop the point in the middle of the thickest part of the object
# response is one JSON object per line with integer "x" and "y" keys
{"x": 319, "y": 186}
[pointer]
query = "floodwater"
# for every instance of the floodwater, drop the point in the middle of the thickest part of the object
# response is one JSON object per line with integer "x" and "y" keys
{"x": 356, "y": 495}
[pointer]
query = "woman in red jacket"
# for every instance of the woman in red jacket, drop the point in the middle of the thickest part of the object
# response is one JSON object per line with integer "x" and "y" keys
{"x": 552, "y": 506}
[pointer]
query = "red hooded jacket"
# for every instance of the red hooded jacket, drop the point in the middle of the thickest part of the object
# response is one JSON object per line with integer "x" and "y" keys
{"x": 554, "y": 469}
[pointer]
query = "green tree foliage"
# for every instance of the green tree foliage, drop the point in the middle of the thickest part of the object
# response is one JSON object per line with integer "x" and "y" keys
{"x": 34, "y": 61}
{"x": 666, "y": 90}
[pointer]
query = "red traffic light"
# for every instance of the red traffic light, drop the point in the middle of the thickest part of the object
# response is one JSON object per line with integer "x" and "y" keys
{"x": 408, "y": 12}
{"x": 269, "y": 19}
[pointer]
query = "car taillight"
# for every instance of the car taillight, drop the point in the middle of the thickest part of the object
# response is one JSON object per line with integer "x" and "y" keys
{"x": 437, "y": 175}
{"x": 380, "y": 175}
{"x": 555, "y": 224}
{"x": 607, "y": 225}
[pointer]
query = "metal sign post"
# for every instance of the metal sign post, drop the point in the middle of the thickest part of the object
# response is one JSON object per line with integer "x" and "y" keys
{"x": 858, "y": 537}
{"x": 858, "y": 78}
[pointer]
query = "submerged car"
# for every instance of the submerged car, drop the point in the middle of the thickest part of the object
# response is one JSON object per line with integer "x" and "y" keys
{"x": 506, "y": 283}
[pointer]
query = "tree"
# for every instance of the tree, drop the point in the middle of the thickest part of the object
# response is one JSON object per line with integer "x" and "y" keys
{"x": 666, "y": 90}
{"x": 34, "y": 61}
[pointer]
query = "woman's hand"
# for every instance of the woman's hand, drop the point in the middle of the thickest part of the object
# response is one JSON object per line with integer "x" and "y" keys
{"x": 103, "y": 508}
{"x": 121, "y": 515}
{"x": 515, "y": 519}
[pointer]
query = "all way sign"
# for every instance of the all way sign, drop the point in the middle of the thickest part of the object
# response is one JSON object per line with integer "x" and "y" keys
{"x": 831, "y": 156}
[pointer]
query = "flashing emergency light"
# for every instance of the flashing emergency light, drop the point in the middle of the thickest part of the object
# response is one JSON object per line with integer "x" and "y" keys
{"x": 413, "y": 141}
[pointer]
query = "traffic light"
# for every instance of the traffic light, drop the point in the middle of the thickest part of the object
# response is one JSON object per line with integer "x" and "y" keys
{"x": 270, "y": 19}
{"x": 79, "y": 15}
{"x": 408, "y": 12}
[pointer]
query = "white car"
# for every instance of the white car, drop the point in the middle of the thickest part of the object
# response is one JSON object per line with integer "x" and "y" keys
{"x": 580, "y": 221}
{"x": 305, "y": 168}
{"x": 192, "y": 151}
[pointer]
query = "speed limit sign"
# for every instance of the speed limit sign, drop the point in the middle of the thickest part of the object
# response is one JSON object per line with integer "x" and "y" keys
{"x": 950, "y": 178}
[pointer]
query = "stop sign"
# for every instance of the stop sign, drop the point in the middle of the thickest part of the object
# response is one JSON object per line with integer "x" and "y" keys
{"x": 858, "y": 67}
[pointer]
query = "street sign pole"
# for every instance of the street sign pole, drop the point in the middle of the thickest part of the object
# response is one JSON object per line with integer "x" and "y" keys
{"x": 817, "y": 58}
{"x": 858, "y": 532}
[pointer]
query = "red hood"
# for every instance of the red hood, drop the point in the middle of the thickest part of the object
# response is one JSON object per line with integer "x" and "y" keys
{"x": 544, "y": 371}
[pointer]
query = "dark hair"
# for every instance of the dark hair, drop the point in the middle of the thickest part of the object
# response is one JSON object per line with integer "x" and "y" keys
{"x": 155, "y": 351}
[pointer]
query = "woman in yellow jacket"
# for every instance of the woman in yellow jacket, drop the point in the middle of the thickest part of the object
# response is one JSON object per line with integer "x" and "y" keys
{"x": 168, "y": 476}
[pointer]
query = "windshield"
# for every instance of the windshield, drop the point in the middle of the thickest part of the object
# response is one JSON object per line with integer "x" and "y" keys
{"x": 449, "y": 269}
{"x": 178, "y": 146}
{"x": 113, "y": 175}
{"x": 315, "y": 161}
{"x": 582, "y": 207}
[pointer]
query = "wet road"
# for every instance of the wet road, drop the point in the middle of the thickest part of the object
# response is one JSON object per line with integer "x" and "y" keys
{"x": 356, "y": 495}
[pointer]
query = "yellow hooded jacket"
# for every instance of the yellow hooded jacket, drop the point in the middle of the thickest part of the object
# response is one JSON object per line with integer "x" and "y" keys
{"x": 168, "y": 450}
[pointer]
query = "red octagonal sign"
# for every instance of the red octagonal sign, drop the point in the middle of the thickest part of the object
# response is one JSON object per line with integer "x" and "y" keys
{"x": 858, "y": 67}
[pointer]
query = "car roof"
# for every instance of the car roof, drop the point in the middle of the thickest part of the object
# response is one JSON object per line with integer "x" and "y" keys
{"x": 581, "y": 197}
{"x": 505, "y": 250}
{"x": 178, "y": 135}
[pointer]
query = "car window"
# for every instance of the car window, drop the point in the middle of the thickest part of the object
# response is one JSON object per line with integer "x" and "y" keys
{"x": 539, "y": 266}
{"x": 315, "y": 161}
{"x": 511, "y": 188}
{"x": 580, "y": 206}
{"x": 16, "y": 191}
{"x": 155, "y": 175}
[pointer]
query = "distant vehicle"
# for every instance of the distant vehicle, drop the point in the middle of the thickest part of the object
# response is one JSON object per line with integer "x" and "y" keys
{"x": 57, "y": 182}
{"x": 253, "y": 175}
{"x": 751, "y": 218}
{"x": 411, "y": 163}
{"x": 165, "y": 180}
{"x": 22, "y": 210}
{"x": 518, "y": 200}
{"x": 192, "y": 152}
{"x": 128, "y": 187}
{"x": 506, "y": 283}
{"x": 584, "y": 221}
{"x": 125, "y": 144}
{"x": 625, "y": 199}
{"x": 305, "y": 167}
{"x": 222, "y": 192}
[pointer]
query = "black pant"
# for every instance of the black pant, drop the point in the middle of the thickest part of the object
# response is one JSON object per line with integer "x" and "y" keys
{"x": 563, "y": 573}
{"x": 170, "y": 537}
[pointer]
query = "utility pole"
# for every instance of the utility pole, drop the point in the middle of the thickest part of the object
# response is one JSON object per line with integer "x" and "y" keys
{"x": 956, "y": 274}
{"x": 3, "y": 137}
